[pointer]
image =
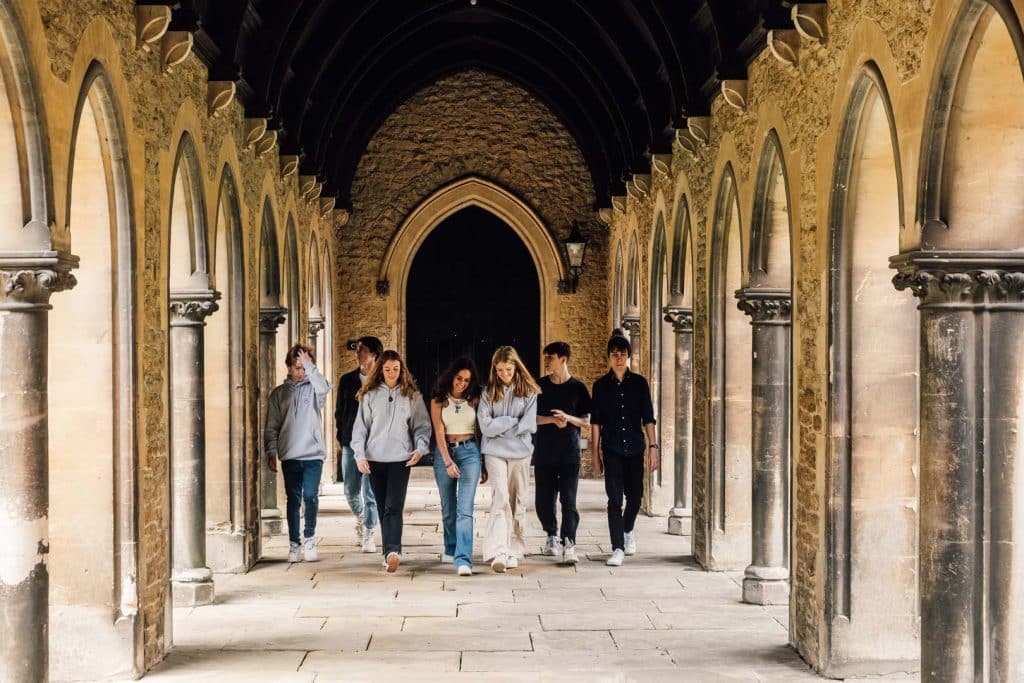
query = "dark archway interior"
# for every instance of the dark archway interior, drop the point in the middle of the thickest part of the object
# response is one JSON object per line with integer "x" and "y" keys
{"x": 472, "y": 287}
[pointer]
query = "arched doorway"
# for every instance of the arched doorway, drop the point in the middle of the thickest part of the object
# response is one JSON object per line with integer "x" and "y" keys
{"x": 472, "y": 287}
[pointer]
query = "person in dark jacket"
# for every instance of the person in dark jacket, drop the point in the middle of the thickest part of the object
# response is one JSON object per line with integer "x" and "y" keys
{"x": 358, "y": 491}
{"x": 622, "y": 414}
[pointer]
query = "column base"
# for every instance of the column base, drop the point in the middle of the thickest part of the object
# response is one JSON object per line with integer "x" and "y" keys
{"x": 192, "y": 587}
{"x": 679, "y": 521}
{"x": 766, "y": 586}
{"x": 225, "y": 551}
{"x": 270, "y": 520}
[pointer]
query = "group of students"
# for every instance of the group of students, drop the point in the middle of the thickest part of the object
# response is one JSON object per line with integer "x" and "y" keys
{"x": 483, "y": 433}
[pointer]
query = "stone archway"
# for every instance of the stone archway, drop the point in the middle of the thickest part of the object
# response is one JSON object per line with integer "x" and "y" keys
{"x": 393, "y": 275}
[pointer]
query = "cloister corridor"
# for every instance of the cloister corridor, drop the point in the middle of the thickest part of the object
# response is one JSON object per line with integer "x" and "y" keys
{"x": 657, "y": 618}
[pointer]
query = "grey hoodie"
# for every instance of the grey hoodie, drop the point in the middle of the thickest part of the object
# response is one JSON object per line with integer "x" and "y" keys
{"x": 507, "y": 425}
{"x": 389, "y": 426}
{"x": 295, "y": 428}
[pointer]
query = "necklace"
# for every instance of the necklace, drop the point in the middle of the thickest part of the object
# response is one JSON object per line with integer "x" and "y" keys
{"x": 457, "y": 403}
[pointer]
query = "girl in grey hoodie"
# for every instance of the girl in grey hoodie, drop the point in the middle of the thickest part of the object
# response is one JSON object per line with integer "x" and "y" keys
{"x": 507, "y": 416}
{"x": 390, "y": 435}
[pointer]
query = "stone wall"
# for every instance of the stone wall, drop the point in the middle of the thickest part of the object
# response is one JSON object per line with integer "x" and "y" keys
{"x": 472, "y": 124}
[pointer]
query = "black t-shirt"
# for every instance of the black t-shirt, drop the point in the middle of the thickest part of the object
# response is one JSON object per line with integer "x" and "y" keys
{"x": 551, "y": 444}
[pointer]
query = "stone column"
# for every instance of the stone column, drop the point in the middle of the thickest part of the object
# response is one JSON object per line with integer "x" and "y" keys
{"x": 972, "y": 462}
{"x": 766, "y": 580}
{"x": 631, "y": 326}
{"x": 316, "y": 325}
{"x": 270, "y": 320}
{"x": 26, "y": 283}
{"x": 191, "y": 579}
{"x": 682, "y": 325}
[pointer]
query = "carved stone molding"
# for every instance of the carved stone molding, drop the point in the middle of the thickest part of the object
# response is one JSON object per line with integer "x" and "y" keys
{"x": 688, "y": 142}
{"x": 307, "y": 185}
{"x": 219, "y": 95}
{"x": 735, "y": 93}
{"x": 605, "y": 215}
{"x": 175, "y": 47}
{"x": 151, "y": 22}
{"x": 811, "y": 21}
{"x": 970, "y": 280}
{"x": 342, "y": 217}
{"x": 254, "y": 130}
{"x": 661, "y": 163}
{"x": 266, "y": 144}
{"x": 289, "y": 165}
{"x": 766, "y": 306}
{"x": 784, "y": 45}
{"x": 316, "y": 326}
{"x": 28, "y": 279}
{"x": 699, "y": 128}
{"x": 619, "y": 203}
{"x": 326, "y": 206}
{"x": 193, "y": 307}
{"x": 271, "y": 319}
{"x": 681, "y": 318}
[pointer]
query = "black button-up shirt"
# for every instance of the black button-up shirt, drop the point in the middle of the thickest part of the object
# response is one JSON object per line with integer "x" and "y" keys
{"x": 622, "y": 409}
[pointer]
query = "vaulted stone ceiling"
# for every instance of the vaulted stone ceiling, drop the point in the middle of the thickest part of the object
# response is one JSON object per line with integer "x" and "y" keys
{"x": 621, "y": 74}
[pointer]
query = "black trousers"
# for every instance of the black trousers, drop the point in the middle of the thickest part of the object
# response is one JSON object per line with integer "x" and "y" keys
{"x": 623, "y": 476}
{"x": 558, "y": 481}
{"x": 390, "y": 481}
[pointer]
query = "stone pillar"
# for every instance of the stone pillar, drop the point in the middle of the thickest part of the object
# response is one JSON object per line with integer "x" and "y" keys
{"x": 682, "y": 325}
{"x": 191, "y": 579}
{"x": 270, "y": 320}
{"x": 26, "y": 283}
{"x": 766, "y": 580}
{"x": 316, "y": 325}
{"x": 631, "y": 326}
{"x": 972, "y": 462}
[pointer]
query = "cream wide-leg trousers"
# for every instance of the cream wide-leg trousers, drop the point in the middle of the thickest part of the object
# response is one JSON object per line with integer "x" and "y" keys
{"x": 509, "y": 479}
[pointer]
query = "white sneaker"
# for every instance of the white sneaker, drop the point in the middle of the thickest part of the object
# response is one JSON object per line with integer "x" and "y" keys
{"x": 392, "y": 561}
{"x": 447, "y": 559}
{"x": 630, "y": 543}
{"x": 511, "y": 562}
{"x": 360, "y": 533}
{"x": 464, "y": 570}
{"x": 569, "y": 553}
{"x": 293, "y": 552}
{"x": 368, "y": 545}
{"x": 553, "y": 548}
{"x": 309, "y": 550}
{"x": 498, "y": 564}
{"x": 616, "y": 559}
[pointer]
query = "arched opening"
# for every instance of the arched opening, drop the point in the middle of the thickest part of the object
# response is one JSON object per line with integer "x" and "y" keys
{"x": 272, "y": 316}
{"x": 92, "y": 463}
{"x": 290, "y": 293}
{"x": 663, "y": 390}
{"x": 681, "y": 313}
{"x": 473, "y": 286}
{"x": 327, "y": 366}
{"x": 618, "y": 289}
{"x": 871, "y": 581}
{"x": 728, "y": 480}
{"x": 225, "y": 394}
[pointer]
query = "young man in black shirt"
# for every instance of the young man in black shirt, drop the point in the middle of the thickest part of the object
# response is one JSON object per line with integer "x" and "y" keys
{"x": 622, "y": 413}
{"x": 563, "y": 409}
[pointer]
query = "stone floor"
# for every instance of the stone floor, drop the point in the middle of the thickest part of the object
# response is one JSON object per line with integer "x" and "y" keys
{"x": 656, "y": 618}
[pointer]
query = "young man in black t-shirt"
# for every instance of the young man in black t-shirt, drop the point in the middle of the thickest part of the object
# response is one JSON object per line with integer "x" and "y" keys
{"x": 563, "y": 408}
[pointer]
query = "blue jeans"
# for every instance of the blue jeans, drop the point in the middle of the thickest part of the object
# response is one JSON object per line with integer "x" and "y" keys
{"x": 457, "y": 497}
{"x": 358, "y": 490}
{"x": 301, "y": 485}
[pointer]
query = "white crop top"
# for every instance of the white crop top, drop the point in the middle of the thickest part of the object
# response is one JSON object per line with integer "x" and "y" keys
{"x": 458, "y": 416}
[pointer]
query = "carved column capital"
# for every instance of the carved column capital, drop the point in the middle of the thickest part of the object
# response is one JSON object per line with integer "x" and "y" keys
{"x": 631, "y": 324}
{"x": 969, "y": 280}
{"x": 316, "y": 326}
{"x": 766, "y": 306}
{"x": 28, "y": 280}
{"x": 271, "y": 319}
{"x": 193, "y": 307}
{"x": 681, "y": 318}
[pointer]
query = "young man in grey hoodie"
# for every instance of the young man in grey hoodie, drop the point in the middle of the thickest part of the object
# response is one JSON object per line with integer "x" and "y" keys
{"x": 294, "y": 434}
